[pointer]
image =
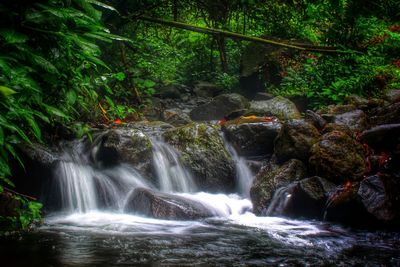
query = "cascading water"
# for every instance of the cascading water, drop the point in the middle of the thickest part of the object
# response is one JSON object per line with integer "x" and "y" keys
{"x": 96, "y": 232}
{"x": 244, "y": 177}
{"x": 171, "y": 175}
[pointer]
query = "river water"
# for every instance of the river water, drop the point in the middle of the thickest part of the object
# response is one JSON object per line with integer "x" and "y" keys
{"x": 89, "y": 227}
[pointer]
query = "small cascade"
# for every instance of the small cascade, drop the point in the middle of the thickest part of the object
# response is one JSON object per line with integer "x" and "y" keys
{"x": 244, "y": 177}
{"x": 280, "y": 200}
{"x": 172, "y": 176}
{"x": 80, "y": 187}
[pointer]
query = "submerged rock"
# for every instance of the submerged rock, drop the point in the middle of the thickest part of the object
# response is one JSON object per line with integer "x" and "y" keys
{"x": 267, "y": 181}
{"x": 124, "y": 145}
{"x": 279, "y": 106}
{"x": 219, "y": 107}
{"x": 253, "y": 139}
{"x": 202, "y": 151}
{"x": 164, "y": 206}
{"x": 337, "y": 157}
{"x": 295, "y": 140}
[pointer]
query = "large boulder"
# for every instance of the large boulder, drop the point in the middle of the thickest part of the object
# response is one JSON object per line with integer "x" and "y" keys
{"x": 202, "y": 151}
{"x": 253, "y": 139}
{"x": 379, "y": 194}
{"x": 269, "y": 180}
{"x": 175, "y": 117}
{"x": 219, "y": 107}
{"x": 279, "y": 107}
{"x": 382, "y": 136}
{"x": 355, "y": 120}
{"x": 206, "y": 89}
{"x": 337, "y": 157}
{"x": 295, "y": 140}
{"x": 37, "y": 172}
{"x": 388, "y": 114}
{"x": 164, "y": 206}
{"x": 126, "y": 145}
{"x": 393, "y": 96}
{"x": 306, "y": 198}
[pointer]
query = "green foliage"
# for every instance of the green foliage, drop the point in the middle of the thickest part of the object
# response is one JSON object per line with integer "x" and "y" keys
{"x": 48, "y": 56}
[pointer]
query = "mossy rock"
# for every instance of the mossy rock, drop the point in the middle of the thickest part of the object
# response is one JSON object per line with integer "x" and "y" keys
{"x": 280, "y": 107}
{"x": 202, "y": 151}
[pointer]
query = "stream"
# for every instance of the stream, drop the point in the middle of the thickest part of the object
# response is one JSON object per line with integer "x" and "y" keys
{"x": 90, "y": 227}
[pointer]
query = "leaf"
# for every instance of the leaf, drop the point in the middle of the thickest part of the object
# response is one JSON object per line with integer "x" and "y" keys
{"x": 6, "y": 91}
{"x": 13, "y": 37}
{"x": 1, "y": 136}
{"x": 34, "y": 126}
{"x": 120, "y": 76}
{"x": 56, "y": 112}
{"x": 148, "y": 83}
{"x": 14, "y": 128}
{"x": 105, "y": 6}
{"x": 71, "y": 97}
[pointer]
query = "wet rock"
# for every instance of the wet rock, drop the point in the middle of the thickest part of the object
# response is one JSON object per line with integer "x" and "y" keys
{"x": 382, "y": 136}
{"x": 330, "y": 127}
{"x": 175, "y": 117}
{"x": 301, "y": 102}
{"x": 203, "y": 153}
{"x": 315, "y": 119}
{"x": 164, "y": 206}
{"x": 393, "y": 96}
{"x": 379, "y": 194}
{"x": 389, "y": 114}
{"x": 355, "y": 120}
{"x": 124, "y": 145}
{"x": 344, "y": 206}
{"x": 150, "y": 128}
{"x": 279, "y": 107}
{"x": 337, "y": 157}
{"x": 268, "y": 180}
{"x": 357, "y": 101}
{"x": 206, "y": 89}
{"x": 253, "y": 139}
{"x": 295, "y": 140}
{"x": 218, "y": 108}
{"x": 337, "y": 109}
{"x": 39, "y": 163}
{"x": 308, "y": 198}
{"x": 169, "y": 91}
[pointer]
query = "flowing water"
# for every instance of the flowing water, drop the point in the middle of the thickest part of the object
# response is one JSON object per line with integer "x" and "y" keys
{"x": 90, "y": 228}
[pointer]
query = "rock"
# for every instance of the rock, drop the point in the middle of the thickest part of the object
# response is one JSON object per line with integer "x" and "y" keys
{"x": 302, "y": 102}
{"x": 206, "y": 89}
{"x": 150, "y": 128}
{"x": 355, "y": 120}
{"x": 39, "y": 164}
{"x": 169, "y": 91}
{"x": 389, "y": 114}
{"x": 382, "y": 136}
{"x": 124, "y": 145}
{"x": 279, "y": 106}
{"x": 267, "y": 181}
{"x": 379, "y": 196}
{"x": 218, "y": 108}
{"x": 315, "y": 119}
{"x": 253, "y": 139}
{"x": 164, "y": 206}
{"x": 337, "y": 109}
{"x": 295, "y": 140}
{"x": 337, "y": 157}
{"x": 344, "y": 206}
{"x": 305, "y": 199}
{"x": 202, "y": 151}
{"x": 393, "y": 96}
{"x": 175, "y": 117}
{"x": 260, "y": 96}
{"x": 357, "y": 101}
{"x": 330, "y": 127}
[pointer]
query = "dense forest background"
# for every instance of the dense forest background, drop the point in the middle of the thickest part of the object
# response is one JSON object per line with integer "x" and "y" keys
{"x": 73, "y": 63}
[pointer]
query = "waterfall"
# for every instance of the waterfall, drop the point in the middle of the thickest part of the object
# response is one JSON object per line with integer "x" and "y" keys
{"x": 81, "y": 187}
{"x": 280, "y": 200}
{"x": 244, "y": 177}
{"x": 171, "y": 175}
